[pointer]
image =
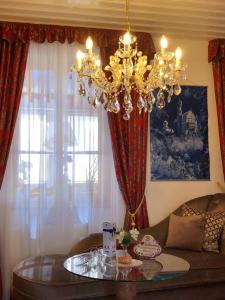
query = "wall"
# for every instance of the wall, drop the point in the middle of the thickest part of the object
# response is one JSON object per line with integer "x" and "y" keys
{"x": 165, "y": 196}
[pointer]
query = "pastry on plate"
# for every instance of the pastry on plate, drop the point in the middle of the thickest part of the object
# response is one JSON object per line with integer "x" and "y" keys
{"x": 125, "y": 259}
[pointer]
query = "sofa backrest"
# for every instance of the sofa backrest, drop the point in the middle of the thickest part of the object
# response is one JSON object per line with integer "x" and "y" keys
{"x": 211, "y": 203}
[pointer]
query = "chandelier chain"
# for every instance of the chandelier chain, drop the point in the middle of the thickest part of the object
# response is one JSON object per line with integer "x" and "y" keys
{"x": 128, "y": 14}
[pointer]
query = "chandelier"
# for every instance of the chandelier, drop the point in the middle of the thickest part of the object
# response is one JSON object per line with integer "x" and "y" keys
{"x": 129, "y": 70}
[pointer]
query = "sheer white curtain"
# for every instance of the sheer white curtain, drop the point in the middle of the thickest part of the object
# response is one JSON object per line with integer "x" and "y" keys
{"x": 60, "y": 181}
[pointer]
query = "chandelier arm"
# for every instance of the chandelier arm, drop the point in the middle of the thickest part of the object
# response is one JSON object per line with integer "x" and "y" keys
{"x": 139, "y": 83}
{"x": 103, "y": 83}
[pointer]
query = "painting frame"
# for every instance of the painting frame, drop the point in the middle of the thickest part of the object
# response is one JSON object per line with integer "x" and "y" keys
{"x": 179, "y": 148}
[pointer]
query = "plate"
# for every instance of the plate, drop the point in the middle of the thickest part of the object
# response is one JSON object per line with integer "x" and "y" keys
{"x": 133, "y": 264}
{"x": 81, "y": 259}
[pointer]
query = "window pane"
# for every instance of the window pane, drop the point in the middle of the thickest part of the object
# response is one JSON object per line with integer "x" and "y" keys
{"x": 36, "y": 168}
{"x": 82, "y": 168}
{"x": 39, "y": 82}
{"x": 37, "y": 131}
{"x": 81, "y": 133}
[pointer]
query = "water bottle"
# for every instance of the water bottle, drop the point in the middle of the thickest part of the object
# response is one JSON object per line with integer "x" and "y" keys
{"x": 109, "y": 238}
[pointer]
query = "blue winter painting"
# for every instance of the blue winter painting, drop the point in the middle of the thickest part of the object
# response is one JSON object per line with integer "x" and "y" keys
{"x": 179, "y": 137}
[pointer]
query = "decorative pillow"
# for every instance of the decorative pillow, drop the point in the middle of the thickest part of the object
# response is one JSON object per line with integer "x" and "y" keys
{"x": 214, "y": 223}
{"x": 186, "y": 232}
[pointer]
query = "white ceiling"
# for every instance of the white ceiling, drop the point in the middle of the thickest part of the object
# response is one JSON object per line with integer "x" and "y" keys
{"x": 201, "y": 19}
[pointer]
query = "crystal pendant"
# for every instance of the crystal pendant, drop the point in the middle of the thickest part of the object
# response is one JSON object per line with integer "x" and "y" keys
{"x": 127, "y": 98}
{"x": 90, "y": 82}
{"x": 104, "y": 100}
{"x": 128, "y": 107}
{"x": 169, "y": 98}
{"x": 90, "y": 100}
{"x": 171, "y": 91}
{"x": 177, "y": 89}
{"x": 160, "y": 103}
{"x": 109, "y": 106}
{"x": 115, "y": 106}
{"x": 140, "y": 104}
{"x": 148, "y": 107}
{"x": 151, "y": 98}
{"x": 126, "y": 116}
{"x": 81, "y": 90}
{"x": 97, "y": 101}
{"x": 160, "y": 100}
{"x": 93, "y": 105}
{"x": 160, "y": 95}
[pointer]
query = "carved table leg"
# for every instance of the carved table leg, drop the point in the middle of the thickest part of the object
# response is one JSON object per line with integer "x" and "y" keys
{"x": 126, "y": 291}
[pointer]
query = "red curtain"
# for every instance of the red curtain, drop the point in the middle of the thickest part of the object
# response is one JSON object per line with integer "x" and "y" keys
{"x": 217, "y": 57}
{"x": 129, "y": 144}
{"x": 13, "y": 57}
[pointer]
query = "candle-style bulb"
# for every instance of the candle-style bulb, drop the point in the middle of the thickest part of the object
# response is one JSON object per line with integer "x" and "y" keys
{"x": 80, "y": 55}
{"x": 89, "y": 43}
{"x": 163, "y": 42}
{"x": 127, "y": 38}
{"x": 178, "y": 53}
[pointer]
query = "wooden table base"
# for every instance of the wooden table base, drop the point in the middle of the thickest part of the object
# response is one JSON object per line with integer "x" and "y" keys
{"x": 126, "y": 291}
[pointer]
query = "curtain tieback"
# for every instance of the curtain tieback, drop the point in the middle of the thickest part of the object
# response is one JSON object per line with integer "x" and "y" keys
{"x": 133, "y": 215}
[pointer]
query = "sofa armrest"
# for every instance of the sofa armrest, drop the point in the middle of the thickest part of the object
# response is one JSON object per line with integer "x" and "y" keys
{"x": 84, "y": 245}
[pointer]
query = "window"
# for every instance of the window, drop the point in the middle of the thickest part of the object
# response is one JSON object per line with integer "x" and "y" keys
{"x": 57, "y": 144}
{"x": 63, "y": 172}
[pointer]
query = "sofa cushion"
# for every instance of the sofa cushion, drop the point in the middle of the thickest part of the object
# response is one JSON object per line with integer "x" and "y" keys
{"x": 213, "y": 226}
{"x": 186, "y": 232}
{"x": 200, "y": 260}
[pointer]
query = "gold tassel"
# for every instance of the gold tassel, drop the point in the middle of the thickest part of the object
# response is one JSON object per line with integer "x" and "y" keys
{"x": 133, "y": 215}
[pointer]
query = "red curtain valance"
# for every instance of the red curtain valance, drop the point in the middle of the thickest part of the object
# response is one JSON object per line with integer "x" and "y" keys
{"x": 104, "y": 38}
{"x": 216, "y": 49}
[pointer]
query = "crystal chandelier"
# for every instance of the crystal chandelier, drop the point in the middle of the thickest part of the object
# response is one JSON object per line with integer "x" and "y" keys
{"x": 129, "y": 70}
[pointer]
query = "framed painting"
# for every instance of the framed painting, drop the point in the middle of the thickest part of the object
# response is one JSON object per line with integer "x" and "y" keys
{"x": 179, "y": 137}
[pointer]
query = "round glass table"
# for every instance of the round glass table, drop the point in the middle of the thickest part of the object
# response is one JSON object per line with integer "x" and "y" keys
{"x": 96, "y": 265}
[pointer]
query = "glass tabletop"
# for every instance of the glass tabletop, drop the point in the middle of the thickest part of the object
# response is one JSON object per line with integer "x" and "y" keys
{"x": 99, "y": 266}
